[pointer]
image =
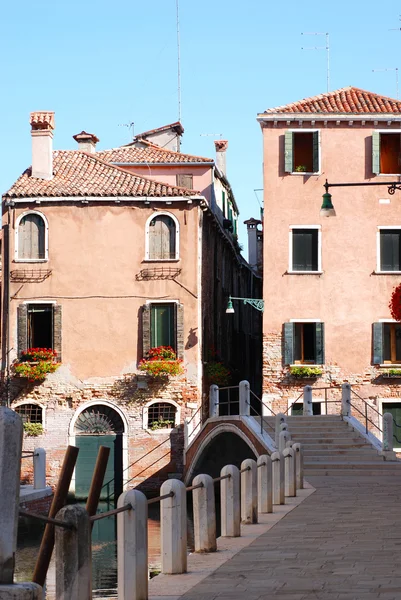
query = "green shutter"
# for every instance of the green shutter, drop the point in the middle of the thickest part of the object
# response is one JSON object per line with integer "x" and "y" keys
{"x": 223, "y": 201}
{"x": 57, "y": 337}
{"x": 145, "y": 329}
{"x": 22, "y": 333}
{"x": 319, "y": 343}
{"x": 315, "y": 151}
{"x": 376, "y": 152}
{"x": 288, "y": 343}
{"x": 288, "y": 152}
{"x": 180, "y": 331}
{"x": 377, "y": 343}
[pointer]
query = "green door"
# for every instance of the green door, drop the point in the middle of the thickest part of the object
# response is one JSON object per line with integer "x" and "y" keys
{"x": 88, "y": 448}
{"x": 395, "y": 409}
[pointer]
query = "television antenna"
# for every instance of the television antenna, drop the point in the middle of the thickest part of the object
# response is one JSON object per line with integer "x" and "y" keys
{"x": 178, "y": 59}
{"x": 326, "y": 47}
{"x": 216, "y": 135}
{"x": 130, "y": 126}
{"x": 396, "y": 76}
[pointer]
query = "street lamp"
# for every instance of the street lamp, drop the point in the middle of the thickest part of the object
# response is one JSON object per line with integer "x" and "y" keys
{"x": 255, "y": 302}
{"x": 327, "y": 208}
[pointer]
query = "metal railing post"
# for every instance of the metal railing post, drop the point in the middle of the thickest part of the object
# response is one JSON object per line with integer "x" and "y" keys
{"x": 345, "y": 400}
{"x": 244, "y": 399}
{"x": 308, "y": 405}
{"x": 214, "y": 401}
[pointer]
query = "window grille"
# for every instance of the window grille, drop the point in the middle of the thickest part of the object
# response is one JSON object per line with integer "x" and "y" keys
{"x": 30, "y": 413}
{"x": 161, "y": 415}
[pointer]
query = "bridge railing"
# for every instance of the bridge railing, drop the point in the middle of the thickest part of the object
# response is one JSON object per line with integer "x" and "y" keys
{"x": 253, "y": 488}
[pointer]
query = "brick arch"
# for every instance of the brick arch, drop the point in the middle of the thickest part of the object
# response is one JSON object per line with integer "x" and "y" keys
{"x": 211, "y": 435}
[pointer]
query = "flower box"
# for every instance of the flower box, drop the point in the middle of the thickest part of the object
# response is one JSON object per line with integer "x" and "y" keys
{"x": 305, "y": 372}
{"x": 162, "y": 363}
{"x": 36, "y": 363}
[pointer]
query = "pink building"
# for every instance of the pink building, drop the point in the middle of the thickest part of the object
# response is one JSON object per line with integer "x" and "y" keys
{"x": 105, "y": 256}
{"x": 328, "y": 281}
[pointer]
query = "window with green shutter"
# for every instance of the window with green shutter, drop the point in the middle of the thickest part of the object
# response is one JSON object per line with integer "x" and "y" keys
{"x": 304, "y": 343}
{"x": 301, "y": 152}
{"x": 386, "y": 153}
{"x": 162, "y": 325}
{"x": 31, "y": 237}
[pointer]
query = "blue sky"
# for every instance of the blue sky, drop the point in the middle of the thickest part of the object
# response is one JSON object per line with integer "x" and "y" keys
{"x": 99, "y": 65}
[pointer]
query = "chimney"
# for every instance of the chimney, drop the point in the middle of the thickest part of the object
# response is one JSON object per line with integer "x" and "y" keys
{"x": 86, "y": 141}
{"x": 42, "y": 125}
{"x": 221, "y": 147}
{"x": 252, "y": 227}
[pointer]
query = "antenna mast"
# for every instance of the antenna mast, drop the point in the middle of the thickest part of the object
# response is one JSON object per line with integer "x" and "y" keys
{"x": 178, "y": 60}
{"x": 326, "y": 47}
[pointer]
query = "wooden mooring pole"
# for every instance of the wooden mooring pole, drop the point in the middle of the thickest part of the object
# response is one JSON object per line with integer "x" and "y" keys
{"x": 97, "y": 481}
{"x": 59, "y": 499}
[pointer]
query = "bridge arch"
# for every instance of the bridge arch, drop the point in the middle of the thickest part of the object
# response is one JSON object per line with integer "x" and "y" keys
{"x": 222, "y": 436}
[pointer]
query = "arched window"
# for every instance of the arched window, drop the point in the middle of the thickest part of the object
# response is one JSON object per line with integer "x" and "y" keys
{"x": 31, "y": 237}
{"x": 160, "y": 415}
{"x": 162, "y": 238}
{"x": 30, "y": 413}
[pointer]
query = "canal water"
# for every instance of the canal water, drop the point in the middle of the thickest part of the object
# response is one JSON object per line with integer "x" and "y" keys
{"x": 104, "y": 551}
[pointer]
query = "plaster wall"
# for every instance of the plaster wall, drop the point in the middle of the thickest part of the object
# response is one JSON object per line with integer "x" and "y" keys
{"x": 348, "y": 296}
{"x": 202, "y": 175}
{"x": 96, "y": 254}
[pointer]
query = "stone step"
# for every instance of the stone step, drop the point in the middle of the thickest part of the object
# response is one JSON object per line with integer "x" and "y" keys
{"x": 354, "y": 465}
{"x": 314, "y": 448}
{"x": 313, "y": 439}
{"x": 320, "y": 430}
{"x": 351, "y": 473}
{"x": 352, "y": 452}
{"x": 358, "y": 460}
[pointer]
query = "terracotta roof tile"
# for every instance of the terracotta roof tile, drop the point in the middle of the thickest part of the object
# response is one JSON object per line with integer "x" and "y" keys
{"x": 348, "y": 100}
{"x": 77, "y": 173}
{"x": 150, "y": 153}
{"x": 175, "y": 126}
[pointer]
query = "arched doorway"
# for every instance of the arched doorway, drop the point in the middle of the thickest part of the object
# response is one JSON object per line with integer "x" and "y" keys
{"x": 99, "y": 425}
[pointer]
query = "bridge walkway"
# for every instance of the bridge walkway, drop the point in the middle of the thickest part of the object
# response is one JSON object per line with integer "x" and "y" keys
{"x": 343, "y": 542}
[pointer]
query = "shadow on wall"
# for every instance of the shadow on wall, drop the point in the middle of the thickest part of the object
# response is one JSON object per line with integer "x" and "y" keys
{"x": 225, "y": 449}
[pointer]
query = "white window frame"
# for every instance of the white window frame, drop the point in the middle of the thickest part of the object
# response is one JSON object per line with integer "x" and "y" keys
{"x": 306, "y": 321}
{"x": 31, "y": 260}
{"x": 292, "y": 401}
{"x": 42, "y": 406}
{"x": 160, "y": 213}
{"x": 319, "y": 250}
{"x": 391, "y": 132}
{"x": 145, "y": 415}
{"x": 319, "y": 172}
{"x": 378, "y": 257}
{"x": 389, "y": 365}
{"x": 380, "y": 402}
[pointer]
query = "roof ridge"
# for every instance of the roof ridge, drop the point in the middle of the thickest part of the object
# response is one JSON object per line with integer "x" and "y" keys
{"x": 156, "y": 147}
{"x": 349, "y": 100}
{"x": 137, "y": 175}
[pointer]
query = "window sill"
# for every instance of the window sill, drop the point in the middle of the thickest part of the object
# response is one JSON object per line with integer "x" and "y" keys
{"x": 387, "y": 174}
{"x": 306, "y": 364}
{"x": 30, "y": 260}
{"x": 390, "y": 365}
{"x": 161, "y": 430}
{"x": 304, "y": 272}
{"x": 317, "y": 173}
{"x": 386, "y": 272}
{"x": 163, "y": 260}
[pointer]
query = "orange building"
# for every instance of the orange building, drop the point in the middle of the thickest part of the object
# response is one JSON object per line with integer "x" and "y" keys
{"x": 328, "y": 281}
{"x": 107, "y": 255}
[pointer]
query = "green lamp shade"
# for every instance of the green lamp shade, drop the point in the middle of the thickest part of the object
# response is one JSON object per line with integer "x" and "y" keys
{"x": 230, "y": 308}
{"x": 327, "y": 209}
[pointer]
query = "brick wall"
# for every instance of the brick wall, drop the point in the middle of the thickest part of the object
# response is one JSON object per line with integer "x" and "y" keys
{"x": 279, "y": 388}
{"x": 152, "y": 456}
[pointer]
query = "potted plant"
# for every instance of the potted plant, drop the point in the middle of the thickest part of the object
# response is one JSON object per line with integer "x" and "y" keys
{"x": 162, "y": 362}
{"x": 305, "y": 372}
{"x": 392, "y": 374}
{"x": 216, "y": 373}
{"x": 300, "y": 169}
{"x": 36, "y": 363}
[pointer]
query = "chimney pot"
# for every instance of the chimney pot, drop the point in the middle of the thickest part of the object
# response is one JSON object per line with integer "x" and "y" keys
{"x": 42, "y": 126}
{"x": 86, "y": 141}
{"x": 221, "y": 147}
